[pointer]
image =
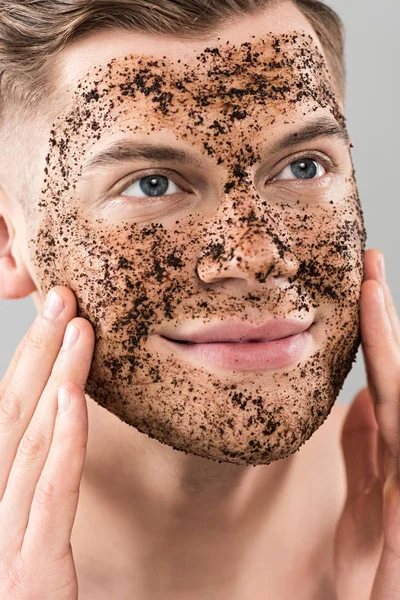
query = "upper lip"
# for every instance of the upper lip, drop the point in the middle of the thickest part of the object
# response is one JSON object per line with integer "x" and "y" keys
{"x": 238, "y": 331}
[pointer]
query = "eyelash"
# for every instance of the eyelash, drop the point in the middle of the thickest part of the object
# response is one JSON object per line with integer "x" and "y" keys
{"x": 329, "y": 165}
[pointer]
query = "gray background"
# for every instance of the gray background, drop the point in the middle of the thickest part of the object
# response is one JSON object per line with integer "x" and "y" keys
{"x": 373, "y": 50}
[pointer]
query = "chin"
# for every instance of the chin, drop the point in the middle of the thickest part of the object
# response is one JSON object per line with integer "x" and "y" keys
{"x": 201, "y": 414}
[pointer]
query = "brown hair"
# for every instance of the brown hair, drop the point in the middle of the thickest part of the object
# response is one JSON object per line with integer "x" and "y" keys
{"x": 33, "y": 33}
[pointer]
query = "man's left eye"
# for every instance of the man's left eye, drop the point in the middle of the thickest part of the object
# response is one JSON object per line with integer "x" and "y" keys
{"x": 303, "y": 168}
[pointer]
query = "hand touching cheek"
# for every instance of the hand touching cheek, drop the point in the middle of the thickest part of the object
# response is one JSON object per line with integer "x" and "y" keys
{"x": 368, "y": 541}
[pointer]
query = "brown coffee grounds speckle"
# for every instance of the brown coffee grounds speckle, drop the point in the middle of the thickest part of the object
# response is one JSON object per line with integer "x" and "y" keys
{"x": 246, "y": 252}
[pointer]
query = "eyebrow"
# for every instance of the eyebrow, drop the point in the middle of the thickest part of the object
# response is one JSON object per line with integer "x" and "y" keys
{"x": 129, "y": 150}
{"x": 322, "y": 127}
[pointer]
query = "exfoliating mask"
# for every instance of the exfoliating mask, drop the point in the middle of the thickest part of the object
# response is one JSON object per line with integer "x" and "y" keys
{"x": 229, "y": 242}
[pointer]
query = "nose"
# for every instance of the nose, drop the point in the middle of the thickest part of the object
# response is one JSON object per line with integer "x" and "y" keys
{"x": 256, "y": 254}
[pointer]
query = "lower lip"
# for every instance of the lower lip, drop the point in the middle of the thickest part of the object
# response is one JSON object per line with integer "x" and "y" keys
{"x": 249, "y": 356}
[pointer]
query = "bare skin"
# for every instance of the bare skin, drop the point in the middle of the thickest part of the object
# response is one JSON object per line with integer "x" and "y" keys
{"x": 288, "y": 554}
{"x": 158, "y": 523}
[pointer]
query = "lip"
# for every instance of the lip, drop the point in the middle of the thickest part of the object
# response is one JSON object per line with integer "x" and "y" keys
{"x": 239, "y": 331}
{"x": 242, "y": 347}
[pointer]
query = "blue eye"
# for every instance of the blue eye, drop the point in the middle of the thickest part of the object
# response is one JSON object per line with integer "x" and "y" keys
{"x": 303, "y": 168}
{"x": 152, "y": 186}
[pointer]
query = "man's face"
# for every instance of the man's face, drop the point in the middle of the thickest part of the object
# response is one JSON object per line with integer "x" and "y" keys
{"x": 251, "y": 226}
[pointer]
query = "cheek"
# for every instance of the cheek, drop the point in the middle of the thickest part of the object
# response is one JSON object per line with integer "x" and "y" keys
{"x": 126, "y": 279}
{"x": 330, "y": 239}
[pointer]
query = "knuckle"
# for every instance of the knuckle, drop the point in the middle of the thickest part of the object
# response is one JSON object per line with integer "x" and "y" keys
{"x": 362, "y": 492}
{"x": 368, "y": 484}
{"x": 18, "y": 351}
{"x": 13, "y": 574}
{"x": 36, "y": 336}
{"x": 71, "y": 496}
{"x": 10, "y": 409}
{"x": 45, "y": 492}
{"x": 382, "y": 397}
{"x": 32, "y": 445}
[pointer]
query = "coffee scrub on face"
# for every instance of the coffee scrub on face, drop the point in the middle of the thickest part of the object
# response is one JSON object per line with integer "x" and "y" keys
{"x": 140, "y": 264}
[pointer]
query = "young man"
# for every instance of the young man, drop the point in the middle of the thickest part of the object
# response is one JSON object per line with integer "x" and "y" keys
{"x": 181, "y": 174}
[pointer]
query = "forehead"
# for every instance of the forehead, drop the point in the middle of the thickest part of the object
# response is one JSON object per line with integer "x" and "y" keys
{"x": 214, "y": 95}
{"x": 79, "y": 60}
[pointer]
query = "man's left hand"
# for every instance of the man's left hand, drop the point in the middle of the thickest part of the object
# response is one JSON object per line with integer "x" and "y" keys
{"x": 367, "y": 543}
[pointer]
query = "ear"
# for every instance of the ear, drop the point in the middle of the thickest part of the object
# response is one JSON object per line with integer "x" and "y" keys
{"x": 15, "y": 279}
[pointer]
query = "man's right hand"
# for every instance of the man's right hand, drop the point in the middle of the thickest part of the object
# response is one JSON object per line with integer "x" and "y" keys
{"x": 42, "y": 453}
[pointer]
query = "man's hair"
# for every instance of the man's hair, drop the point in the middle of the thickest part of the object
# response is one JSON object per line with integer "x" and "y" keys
{"x": 34, "y": 32}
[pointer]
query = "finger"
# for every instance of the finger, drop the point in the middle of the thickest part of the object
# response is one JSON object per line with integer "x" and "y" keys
{"x": 56, "y": 497}
{"x": 357, "y": 546}
{"x": 387, "y": 580}
{"x": 372, "y": 264}
{"x": 12, "y": 366}
{"x": 382, "y": 361}
{"x": 72, "y": 364}
{"x": 375, "y": 269}
{"x": 364, "y": 488}
{"x": 392, "y": 312}
{"x": 382, "y": 453}
{"x": 359, "y": 443}
{"x": 29, "y": 376}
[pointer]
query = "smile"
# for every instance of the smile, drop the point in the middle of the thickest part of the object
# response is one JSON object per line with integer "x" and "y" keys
{"x": 248, "y": 355}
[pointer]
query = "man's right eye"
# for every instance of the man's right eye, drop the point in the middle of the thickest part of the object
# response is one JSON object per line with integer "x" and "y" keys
{"x": 152, "y": 186}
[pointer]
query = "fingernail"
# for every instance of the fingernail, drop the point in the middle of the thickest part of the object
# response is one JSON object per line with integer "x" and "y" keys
{"x": 53, "y": 306}
{"x": 382, "y": 269}
{"x": 64, "y": 399}
{"x": 71, "y": 337}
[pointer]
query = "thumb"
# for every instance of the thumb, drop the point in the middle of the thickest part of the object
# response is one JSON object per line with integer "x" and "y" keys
{"x": 359, "y": 536}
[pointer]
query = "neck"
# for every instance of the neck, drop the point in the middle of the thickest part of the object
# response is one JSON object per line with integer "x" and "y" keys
{"x": 197, "y": 522}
